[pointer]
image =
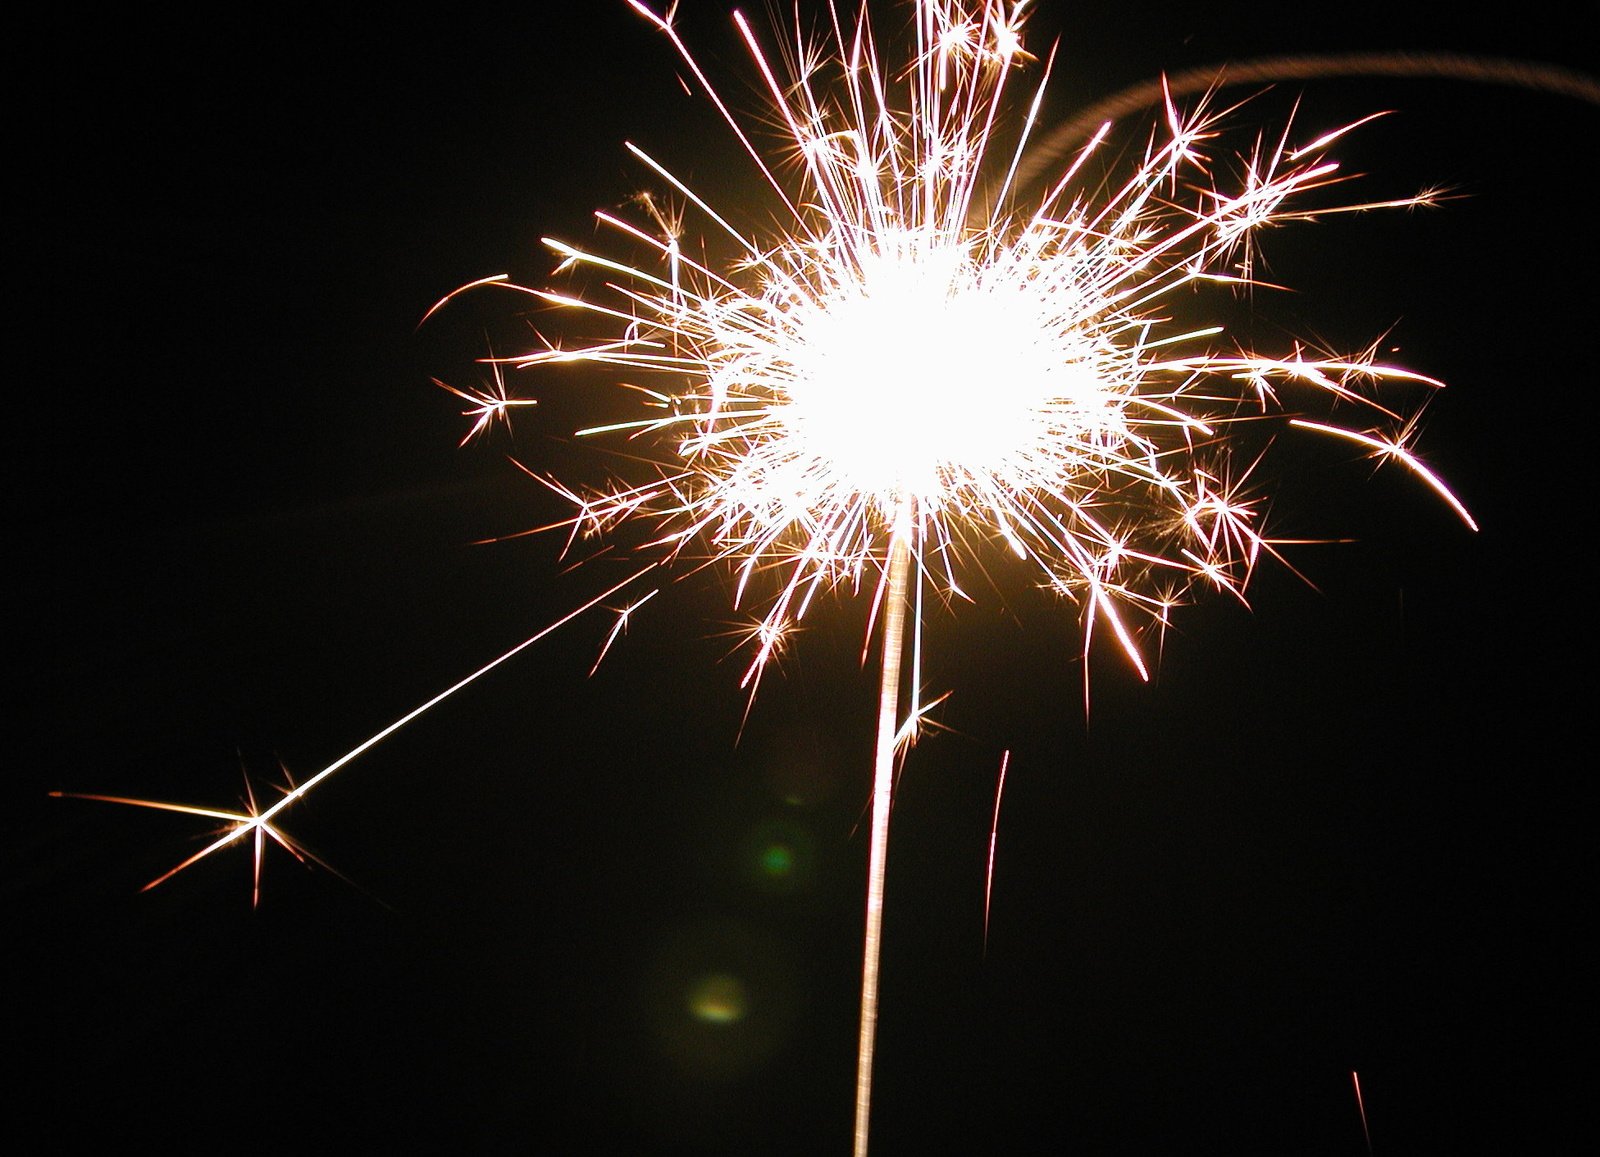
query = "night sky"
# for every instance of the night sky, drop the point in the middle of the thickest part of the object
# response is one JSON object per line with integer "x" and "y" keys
{"x": 1344, "y": 829}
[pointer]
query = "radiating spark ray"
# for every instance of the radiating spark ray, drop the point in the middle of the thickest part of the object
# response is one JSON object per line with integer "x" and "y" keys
{"x": 994, "y": 831}
{"x": 692, "y": 195}
{"x": 182, "y": 808}
{"x": 1391, "y": 448}
{"x": 372, "y": 741}
{"x": 665, "y": 25}
{"x": 503, "y": 279}
{"x": 620, "y": 626}
{"x": 253, "y": 822}
{"x": 1361, "y": 1107}
{"x": 231, "y": 836}
{"x": 917, "y": 718}
{"x": 257, "y": 849}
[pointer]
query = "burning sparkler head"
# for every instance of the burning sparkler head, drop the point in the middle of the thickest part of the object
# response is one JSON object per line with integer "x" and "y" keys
{"x": 922, "y": 370}
{"x": 921, "y": 353}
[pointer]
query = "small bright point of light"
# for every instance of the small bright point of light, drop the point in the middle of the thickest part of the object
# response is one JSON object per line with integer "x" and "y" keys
{"x": 717, "y": 999}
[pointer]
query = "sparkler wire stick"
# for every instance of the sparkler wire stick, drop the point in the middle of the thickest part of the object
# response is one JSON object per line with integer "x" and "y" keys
{"x": 894, "y": 627}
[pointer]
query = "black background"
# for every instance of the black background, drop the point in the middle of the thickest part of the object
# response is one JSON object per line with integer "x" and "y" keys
{"x": 1342, "y": 830}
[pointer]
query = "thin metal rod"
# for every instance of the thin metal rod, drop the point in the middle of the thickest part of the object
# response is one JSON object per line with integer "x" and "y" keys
{"x": 894, "y": 623}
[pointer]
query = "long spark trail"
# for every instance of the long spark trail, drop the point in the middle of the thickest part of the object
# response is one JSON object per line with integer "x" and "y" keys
{"x": 1537, "y": 76}
{"x": 1361, "y": 1107}
{"x": 258, "y": 825}
{"x": 994, "y": 836}
{"x": 887, "y": 365}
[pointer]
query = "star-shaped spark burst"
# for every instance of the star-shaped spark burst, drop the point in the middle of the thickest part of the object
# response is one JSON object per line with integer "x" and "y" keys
{"x": 252, "y": 824}
{"x": 486, "y": 404}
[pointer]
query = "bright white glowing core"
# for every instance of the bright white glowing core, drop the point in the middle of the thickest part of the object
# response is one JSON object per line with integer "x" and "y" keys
{"x": 927, "y": 371}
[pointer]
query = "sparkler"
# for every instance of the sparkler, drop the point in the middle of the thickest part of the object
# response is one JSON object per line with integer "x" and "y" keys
{"x": 921, "y": 363}
{"x": 920, "y": 367}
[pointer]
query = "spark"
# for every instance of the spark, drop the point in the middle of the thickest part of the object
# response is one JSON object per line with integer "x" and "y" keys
{"x": 918, "y": 365}
{"x": 1394, "y": 447}
{"x": 486, "y": 404}
{"x": 252, "y": 824}
{"x": 620, "y": 626}
{"x": 1361, "y": 1107}
{"x": 994, "y": 834}
{"x": 258, "y": 826}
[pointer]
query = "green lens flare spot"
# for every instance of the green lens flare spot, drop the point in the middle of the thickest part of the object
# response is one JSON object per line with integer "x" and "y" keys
{"x": 777, "y": 860}
{"x": 778, "y": 857}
